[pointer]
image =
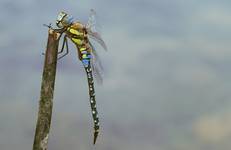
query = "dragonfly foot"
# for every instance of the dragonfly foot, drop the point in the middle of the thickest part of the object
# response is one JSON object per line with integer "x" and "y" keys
{"x": 49, "y": 26}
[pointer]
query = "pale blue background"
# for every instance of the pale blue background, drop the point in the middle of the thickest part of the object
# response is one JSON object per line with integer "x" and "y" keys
{"x": 167, "y": 75}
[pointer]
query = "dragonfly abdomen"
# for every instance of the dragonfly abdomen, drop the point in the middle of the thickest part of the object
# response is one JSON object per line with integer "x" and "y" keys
{"x": 87, "y": 66}
{"x": 92, "y": 101}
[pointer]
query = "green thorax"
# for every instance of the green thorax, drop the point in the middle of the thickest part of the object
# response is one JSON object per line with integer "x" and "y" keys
{"x": 76, "y": 36}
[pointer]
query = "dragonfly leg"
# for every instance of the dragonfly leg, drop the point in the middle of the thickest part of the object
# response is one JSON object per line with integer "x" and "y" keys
{"x": 67, "y": 49}
{"x": 49, "y": 26}
{"x": 64, "y": 41}
{"x": 59, "y": 30}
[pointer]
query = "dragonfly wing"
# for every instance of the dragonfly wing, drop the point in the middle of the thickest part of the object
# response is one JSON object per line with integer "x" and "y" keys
{"x": 92, "y": 23}
{"x": 93, "y": 29}
{"x": 96, "y": 65}
{"x": 97, "y": 37}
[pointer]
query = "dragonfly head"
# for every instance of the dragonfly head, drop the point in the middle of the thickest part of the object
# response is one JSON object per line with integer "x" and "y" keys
{"x": 63, "y": 20}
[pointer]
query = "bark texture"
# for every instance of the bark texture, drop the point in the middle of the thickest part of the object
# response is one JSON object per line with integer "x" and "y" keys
{"x": 47, "y": 90}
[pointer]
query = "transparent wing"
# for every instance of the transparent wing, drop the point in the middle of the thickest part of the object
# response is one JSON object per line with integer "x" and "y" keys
{"x": 96, "y": 66}
{"x": 93, "y": 29}
{"x": 92, "y": 24}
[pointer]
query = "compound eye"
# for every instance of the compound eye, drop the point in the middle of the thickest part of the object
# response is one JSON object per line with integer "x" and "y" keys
{"x": 61, "y": 16}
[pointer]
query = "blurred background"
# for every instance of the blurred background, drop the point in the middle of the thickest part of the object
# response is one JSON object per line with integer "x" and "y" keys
{"x": 167, "y": 75}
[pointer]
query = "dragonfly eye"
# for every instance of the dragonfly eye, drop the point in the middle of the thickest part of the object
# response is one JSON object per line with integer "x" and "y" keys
{"x": 60, "y": 18}
{"x": 61, "y": 15}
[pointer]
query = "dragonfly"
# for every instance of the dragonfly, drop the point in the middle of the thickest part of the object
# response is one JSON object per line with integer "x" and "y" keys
{"x": 81, "y": 34}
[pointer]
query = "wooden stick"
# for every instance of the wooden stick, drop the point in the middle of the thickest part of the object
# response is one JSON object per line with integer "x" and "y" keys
{"x": 47, "y": 90}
